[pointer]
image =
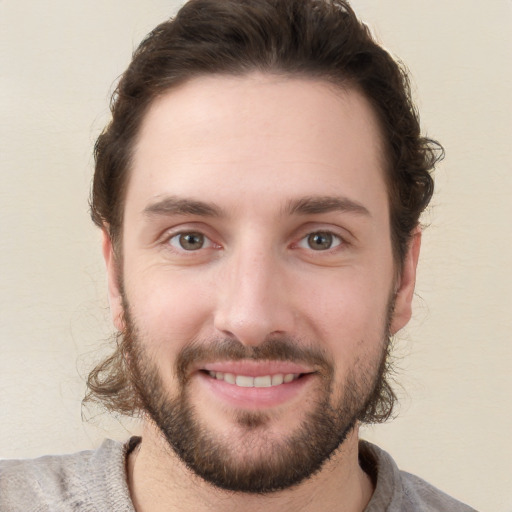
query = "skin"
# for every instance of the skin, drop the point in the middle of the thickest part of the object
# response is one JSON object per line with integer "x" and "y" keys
{"x": 250, "y": 147}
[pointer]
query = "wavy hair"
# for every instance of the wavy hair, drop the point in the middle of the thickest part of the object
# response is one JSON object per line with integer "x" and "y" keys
{"x": 321, "y": 39}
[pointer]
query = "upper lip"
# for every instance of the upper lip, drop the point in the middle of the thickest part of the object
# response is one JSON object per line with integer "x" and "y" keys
{"x": 256, "y": 368}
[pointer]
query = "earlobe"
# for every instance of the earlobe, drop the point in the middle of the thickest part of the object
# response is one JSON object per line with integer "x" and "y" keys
{"x": 115, "y": 298}
{"x": 404, "y": 292}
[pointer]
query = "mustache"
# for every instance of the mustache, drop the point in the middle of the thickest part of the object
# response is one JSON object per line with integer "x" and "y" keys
{"x": 283, "y": 348}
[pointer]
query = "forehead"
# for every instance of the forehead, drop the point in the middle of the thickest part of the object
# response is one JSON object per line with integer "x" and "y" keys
{"x": 232, "y": 139}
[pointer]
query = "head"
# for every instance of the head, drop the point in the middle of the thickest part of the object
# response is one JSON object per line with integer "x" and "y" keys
{"x": 322, "y": 40}
{"x": 316, "y": 59}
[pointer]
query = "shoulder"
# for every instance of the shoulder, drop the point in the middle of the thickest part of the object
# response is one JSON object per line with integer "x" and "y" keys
{"x": 418, "y": 491}
{"x": 65, "y": 482}
{"x": 399, "y": 491}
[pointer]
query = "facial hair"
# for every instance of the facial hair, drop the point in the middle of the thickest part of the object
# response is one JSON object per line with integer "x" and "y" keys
{"x": 267, "y": 464}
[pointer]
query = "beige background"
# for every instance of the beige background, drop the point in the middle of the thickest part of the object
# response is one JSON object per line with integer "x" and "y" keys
{"x": 58, "y": 60}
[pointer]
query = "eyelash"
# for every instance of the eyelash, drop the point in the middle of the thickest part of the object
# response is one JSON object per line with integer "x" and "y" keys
{"x": 303, "y": 243}
{"x": 335, "y": 240}
{"x": 206, "y": 239}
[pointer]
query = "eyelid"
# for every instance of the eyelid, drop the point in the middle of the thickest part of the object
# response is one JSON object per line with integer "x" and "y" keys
{"x": 207, "y": 243}
{"x": 170, "y": 233}
{"x": 337, "y": 240}
{"x": 309, "y": 228}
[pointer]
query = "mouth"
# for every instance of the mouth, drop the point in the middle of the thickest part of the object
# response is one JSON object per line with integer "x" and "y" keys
{"x": 259, "y": 381}
{"x": 253, "y": 385}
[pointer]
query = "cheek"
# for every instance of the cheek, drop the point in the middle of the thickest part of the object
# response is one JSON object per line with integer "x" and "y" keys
{"x": 169, "y": 312}
{"x": 349, "y": 315}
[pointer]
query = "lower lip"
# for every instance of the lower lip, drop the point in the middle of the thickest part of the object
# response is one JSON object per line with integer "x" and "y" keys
{"x": 255, "y": 398}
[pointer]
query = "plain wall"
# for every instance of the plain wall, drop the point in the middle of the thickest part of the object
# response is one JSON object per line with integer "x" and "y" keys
{"x": 58, "y": 61}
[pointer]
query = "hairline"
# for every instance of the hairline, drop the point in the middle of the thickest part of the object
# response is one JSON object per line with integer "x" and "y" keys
{"x": 336, "y": 84}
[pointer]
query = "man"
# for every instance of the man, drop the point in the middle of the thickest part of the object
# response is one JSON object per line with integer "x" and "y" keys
{"x": 259, "y": 191}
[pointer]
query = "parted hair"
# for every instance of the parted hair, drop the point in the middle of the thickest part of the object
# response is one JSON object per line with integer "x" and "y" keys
{"x": 319, "y": 39}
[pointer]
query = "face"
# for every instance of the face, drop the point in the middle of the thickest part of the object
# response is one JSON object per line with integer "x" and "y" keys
{"x": 257, "y": 287}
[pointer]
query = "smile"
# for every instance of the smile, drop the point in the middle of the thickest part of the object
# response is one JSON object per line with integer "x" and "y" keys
{"x": 246, "y": 381}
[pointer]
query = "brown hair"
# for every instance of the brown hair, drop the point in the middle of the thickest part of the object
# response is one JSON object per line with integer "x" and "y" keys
{"x": 312, "y": 38}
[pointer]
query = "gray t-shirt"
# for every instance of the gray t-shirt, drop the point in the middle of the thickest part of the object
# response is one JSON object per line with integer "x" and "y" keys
{"x": 95, "y": 481}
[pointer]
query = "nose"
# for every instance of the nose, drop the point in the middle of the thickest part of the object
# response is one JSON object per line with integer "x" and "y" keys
{"x": 253, "y": 300}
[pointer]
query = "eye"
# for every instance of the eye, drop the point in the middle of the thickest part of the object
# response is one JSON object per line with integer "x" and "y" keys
{"x": 190, "y": 241}
{"x": 320, "y": 241}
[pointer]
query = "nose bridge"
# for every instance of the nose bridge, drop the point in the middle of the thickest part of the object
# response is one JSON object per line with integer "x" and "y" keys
{"x": 252, "y": 304}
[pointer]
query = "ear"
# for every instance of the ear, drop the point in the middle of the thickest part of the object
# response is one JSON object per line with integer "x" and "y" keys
{"x": 115, "y": 298}
{"x": 404, "y": 291}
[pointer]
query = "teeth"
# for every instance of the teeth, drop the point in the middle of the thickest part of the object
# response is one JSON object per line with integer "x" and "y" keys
{"x": 228, "y": 377}
{"x": 263, "y": 381}
{"x": 244, "y": 382}
{"x": 277, "y": 379}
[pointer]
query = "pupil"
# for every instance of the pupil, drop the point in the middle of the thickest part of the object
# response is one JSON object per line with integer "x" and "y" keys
{"x": 192, "y": 241}
{"x": 320, "y": 241}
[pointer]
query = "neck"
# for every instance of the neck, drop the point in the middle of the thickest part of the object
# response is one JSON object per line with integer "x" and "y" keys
{"x": 158, "y": 481}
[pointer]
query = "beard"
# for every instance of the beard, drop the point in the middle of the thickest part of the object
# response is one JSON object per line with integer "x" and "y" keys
{"x": 257, "y": 461}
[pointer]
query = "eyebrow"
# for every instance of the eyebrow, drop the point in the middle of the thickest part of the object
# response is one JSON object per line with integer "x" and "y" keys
{"x": 324, "y": 204}
{"x": 172, "y": 205}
